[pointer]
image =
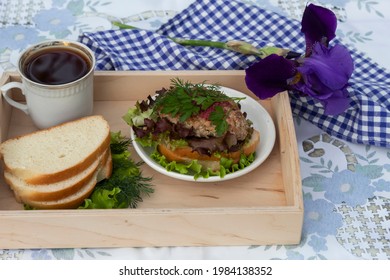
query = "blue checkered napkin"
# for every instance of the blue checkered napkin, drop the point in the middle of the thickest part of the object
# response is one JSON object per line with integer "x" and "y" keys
{"x": 367, "y": 121}
{"x": 211, "y": 20}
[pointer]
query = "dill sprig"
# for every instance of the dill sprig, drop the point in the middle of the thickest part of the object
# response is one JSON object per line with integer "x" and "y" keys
{"x": 119, "y": 145}
{"x": 126, "y": 186}
{"x": 133, "y": 189}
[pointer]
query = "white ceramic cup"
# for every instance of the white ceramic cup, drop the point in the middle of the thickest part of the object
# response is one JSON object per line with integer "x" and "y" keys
{"x": 53, "y": 104}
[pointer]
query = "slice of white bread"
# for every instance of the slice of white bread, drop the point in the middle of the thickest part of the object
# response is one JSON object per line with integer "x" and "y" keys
{"x": 75, "y": 199}
{"x": 58, "y": 190}
{"x": 57, "y": 153}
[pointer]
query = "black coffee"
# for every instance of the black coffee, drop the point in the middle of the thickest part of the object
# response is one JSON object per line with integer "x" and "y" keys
{"x": 56, "y": 66}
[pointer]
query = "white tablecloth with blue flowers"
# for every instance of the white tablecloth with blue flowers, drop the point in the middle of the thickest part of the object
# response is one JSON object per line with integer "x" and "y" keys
{"x": 346, "y": 187}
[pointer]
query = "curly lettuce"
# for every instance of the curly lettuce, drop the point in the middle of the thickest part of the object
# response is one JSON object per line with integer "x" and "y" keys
{"x": 194, "y": 168}
{"x": 136, "y": 116}
{"x": 126, "y": 186}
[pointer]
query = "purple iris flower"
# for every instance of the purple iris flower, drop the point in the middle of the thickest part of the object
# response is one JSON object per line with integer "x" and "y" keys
{"x": 322, "y": 74}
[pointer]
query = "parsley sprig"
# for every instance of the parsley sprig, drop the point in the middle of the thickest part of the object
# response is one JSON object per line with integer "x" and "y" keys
{"x": 217, "y": 117}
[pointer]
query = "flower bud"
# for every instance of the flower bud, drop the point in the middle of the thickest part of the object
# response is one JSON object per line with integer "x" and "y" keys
{"x": 242, "y": 47}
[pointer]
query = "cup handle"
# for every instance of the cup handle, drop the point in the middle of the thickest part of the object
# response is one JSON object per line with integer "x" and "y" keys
{"x": 4, "y": 90}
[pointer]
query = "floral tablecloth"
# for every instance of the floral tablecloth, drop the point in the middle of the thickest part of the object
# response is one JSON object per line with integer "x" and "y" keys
{"x": 346, "y": 187}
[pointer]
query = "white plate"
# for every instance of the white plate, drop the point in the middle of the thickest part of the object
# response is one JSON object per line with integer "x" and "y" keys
{"x": 262, "y": 122}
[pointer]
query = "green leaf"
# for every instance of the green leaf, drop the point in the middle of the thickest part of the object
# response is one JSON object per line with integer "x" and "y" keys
{"x": 314, "y": 181}
{"x": 185, "y": 99}
{"x": 126, "y": 186}
{"x": 379, "y": 14}
{"x": 266, "y": 248}
{"x": 217, "y": 117}
{"x": 104, "y": 199}
{"x": 305, "y": 160}
{"x": 325, "y": 171}
{"x": 368, "y": 7}
{"x": 76, "y": 7}
{"x": 195, "y": 168}
{"x": 321, "y": 257}
{"x": 102, "y": 253}
{"x": 60, "y": 34}
{"x": 136, "y": 117}
{"x": 361, "y": 157}
{"x": 90, "y": 254}
{"x": 370, "y": 171}
{"x": 373, "y": 161}
{"x": 370, "y": 155}
{"x": 63, "y": 254}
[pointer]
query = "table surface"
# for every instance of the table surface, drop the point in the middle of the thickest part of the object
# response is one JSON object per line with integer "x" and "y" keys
{"x": 336, "y": 226}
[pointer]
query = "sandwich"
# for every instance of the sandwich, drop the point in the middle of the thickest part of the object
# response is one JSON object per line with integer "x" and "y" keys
{"x": 195, "y": 128}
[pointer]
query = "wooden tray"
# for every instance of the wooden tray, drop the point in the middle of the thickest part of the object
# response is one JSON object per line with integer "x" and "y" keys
{"x": 262, "y": 207}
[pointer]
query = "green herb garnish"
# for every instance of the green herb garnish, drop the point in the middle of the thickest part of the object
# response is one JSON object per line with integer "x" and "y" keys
{"x": 126, "y": 186}
{"x": 184, "y": 100}
{"x": 217, "y": 117}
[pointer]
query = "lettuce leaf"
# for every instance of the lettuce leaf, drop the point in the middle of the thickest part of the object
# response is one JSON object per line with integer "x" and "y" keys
{"x": 136, "y": 117}
{"x": 126, "y": 186}
{"x": 104, "y": 199}
{"x": 194, "y": 168}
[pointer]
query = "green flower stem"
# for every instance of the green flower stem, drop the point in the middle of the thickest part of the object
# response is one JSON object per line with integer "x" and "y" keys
{"x": 123, "y": 26}
{"x": 237, "y": 46}
{"x": 199, "y": 43}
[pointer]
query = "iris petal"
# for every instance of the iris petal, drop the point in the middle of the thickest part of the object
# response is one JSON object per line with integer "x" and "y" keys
{"x": 325, "y": 76}
{"x": 319, "y": 25}
{"x": 269, "y": 76}
{"x": 337, "y": 103}
{"x": 330, "y": 69}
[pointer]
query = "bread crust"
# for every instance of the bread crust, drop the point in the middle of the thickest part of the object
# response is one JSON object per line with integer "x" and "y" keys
{"x": 42, "y": 192}
{"x": 75, "y": 199}
{"x": 37, "y": 179}
{"x": 65, "y": 203}
{"x": 106, "y": 171}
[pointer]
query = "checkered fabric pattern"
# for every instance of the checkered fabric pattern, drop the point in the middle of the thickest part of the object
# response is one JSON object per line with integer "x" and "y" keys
{"x": 367, "y": 121}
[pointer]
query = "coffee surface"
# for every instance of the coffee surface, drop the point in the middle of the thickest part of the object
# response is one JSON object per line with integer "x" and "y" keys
{"x": 56, "y": 66}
